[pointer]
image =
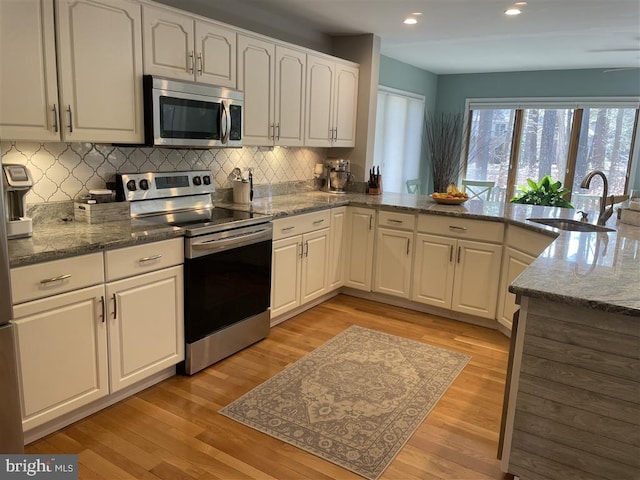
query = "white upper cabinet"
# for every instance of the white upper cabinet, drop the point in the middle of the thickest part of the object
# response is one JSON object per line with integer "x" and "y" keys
{"x": 186, "y": 48}
{"x": 273, "y": 80}
{"x": 100, "y": 70}
{"x": 331, "y": 105}
{"x": 28, "y": 84}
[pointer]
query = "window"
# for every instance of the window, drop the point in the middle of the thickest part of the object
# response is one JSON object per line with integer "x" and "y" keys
{"x": 509, "y": 143}
{"x": 398, "y": 140}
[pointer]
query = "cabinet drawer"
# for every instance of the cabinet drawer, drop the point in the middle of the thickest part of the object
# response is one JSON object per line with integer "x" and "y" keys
{"x": 58, "y": 276}
{"x": 129, "y": 261}
{"x": 299, "y": 224}
{"x": 404, "y": 221}
{"x": 461, "y": 228}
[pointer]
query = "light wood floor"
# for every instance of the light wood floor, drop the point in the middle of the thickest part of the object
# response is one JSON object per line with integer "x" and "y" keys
{"x": 173, "y": 431}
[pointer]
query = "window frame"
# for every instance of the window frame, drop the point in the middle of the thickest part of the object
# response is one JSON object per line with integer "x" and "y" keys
{"x": 577, "y": 104}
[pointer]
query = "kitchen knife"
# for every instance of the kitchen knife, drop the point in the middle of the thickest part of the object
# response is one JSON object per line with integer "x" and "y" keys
{"x": 250, "y": 185}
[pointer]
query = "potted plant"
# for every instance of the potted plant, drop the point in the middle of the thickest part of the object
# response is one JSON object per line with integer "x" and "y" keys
{"x": 545, "y": 192}
{"x": 444, "y": 135}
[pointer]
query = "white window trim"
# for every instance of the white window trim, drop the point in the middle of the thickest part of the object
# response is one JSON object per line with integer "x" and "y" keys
{"x": 404, "y": 93}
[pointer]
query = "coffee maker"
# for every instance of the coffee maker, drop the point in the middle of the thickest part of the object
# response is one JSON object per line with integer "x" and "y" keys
{"x": 17, "y": 183}
{"x": 337, "y": 175}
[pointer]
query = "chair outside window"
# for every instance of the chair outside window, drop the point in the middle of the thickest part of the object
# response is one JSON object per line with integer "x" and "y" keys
{"x": 478, "y": 189}
{"x": 413, "y": 186}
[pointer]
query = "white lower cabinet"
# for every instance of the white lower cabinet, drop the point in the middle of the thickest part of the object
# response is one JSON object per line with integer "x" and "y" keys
{"x": 79, "y": 340}
{"x": 337, "y": 248}
{"x": 299, "y": 261}
{"x": 61, "y": 344}
{"x": 460, "y": 275}
{"x": 145, "y": 322}
{"x": 360, "y": 241}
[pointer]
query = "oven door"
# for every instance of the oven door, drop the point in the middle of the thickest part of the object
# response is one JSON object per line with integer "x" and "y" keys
{"x": 227, "y": 279}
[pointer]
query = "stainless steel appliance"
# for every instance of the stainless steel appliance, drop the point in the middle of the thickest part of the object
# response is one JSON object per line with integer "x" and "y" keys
{"x": 227, "y": 274}
{"x": 11, "y": 437}
{"x": 337, "y": 175}
{"x": 17, "y": 183}
{"x": 187, "y": 114}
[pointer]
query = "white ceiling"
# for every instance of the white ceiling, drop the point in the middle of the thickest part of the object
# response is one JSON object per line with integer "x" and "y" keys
{"x": 470, "y": 36}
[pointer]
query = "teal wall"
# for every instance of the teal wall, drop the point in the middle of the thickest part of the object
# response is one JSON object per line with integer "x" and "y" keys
{"x": 396, "y": 74}
{"x": 453, "y": 90}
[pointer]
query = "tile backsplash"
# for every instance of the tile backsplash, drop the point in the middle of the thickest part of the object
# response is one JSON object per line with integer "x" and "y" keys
{"x": 63, "y": 171}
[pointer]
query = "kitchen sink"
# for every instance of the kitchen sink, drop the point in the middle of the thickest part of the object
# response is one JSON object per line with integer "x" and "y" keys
{"x": 571, "y": 225}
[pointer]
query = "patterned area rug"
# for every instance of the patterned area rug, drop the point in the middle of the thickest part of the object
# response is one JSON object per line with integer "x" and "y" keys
{"x": 354, "y": 401}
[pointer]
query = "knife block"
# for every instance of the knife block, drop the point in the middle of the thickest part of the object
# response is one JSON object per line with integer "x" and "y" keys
{"x": 377, "y": 190}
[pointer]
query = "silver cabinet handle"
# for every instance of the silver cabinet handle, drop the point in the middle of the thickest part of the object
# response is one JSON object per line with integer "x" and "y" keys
{"x": 370, "y": 222}
{"x": 450, "y": 253}
{"x": 286, "y": 229}
{"x": 70, "y": 118}
{"x": 460, "y": 229}
{"x": 459, "y": 251}
{"x": 318, "y": 222}
{"x": 273, "y": 131}
{"x": 55, "y": 118}
{"x": 393, "y": 220}
{"x": 335, "y": 135}
{"x": 149, "y": 259}
{"x": 102, "y": 308}
{"x": 306, "y": 252}
{"x": 59, "y": 278}
{"x": 301, "y": 249}
{"x": 408, "y": 245}
{"x": 277, "y": 131}
{"x": 190, "y": 62}
{"x": 115, "y": 306}
{"x": 201, "y": 63}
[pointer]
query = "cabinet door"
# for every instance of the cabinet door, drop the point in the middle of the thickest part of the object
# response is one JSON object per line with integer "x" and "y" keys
{"x": 256, "y": 78}
{"x": 337, "y": 248}
{"x": 215, "y": 54}
{"x": 146, "y": 325}
{"x": 434, "y": 270}
{"x": 513, "y": 264}
{"x": 100, "y": 66}
{"x": 314, "y": 265}
{"x": 393, "y": 262}
{"x": 285, "y": 275}
{"x": 290, "y": 71}
{"x": 475, "y": 288}
{"x": 61, "y": 345}
{"x": 320, "y": 82}
{"x": 360, "y": 240}
{"x": 168, "y": 43}
{"x": 29, "y": 93}
{"x": 345, "y": 106}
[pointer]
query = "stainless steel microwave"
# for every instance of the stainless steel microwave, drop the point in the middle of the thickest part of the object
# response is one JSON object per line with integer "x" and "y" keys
{"x": 187, "y": 114}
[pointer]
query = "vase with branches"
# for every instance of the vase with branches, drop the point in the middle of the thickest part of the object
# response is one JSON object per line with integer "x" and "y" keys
{"x": 444, "y": 135}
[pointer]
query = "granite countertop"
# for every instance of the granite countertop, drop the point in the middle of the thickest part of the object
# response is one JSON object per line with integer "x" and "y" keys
{"x": 598, "y": 270}
{"x": 55, "y": 240}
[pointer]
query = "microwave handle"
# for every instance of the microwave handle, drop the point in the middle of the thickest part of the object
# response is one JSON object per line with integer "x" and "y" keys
{"x": 226, "y": 121}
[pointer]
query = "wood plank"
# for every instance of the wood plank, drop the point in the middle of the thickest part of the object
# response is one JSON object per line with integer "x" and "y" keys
{"x": 173, "y": 430}
{"x": 594, "y": 402}
{"x": 623, "y": 432}
{"x": 533, "y": 467}
{"x": 580, "y": 439}
{"x": 609, "y": 322}
{"x": 587, "y": 358}
{"x": 573, "y": 460}
{"x": 614, "y": 387}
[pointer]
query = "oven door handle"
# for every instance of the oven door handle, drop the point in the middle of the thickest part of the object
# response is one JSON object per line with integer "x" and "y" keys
{"x": 218, "y": 244}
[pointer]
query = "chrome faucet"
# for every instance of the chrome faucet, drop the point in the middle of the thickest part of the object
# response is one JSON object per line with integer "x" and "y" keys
{"x": 604, "y": 213}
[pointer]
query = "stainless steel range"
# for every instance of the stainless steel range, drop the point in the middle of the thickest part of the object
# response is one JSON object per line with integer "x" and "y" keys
{"x": 227, "y": 273}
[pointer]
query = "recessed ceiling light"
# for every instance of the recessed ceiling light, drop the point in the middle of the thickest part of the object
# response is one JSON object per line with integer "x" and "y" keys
{"x": 513, "y": 11}
{"x": 410, "y": 21}
{"x": 417, "y": 14}
{"x": 520, "y": 4}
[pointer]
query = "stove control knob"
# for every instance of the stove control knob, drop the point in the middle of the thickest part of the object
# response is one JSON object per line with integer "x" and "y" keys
{"x": 197, "y": 180}
{"x": 144, "y": 184}
{"x": 131, "y": 185}
{"x": 207, "y": 180}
